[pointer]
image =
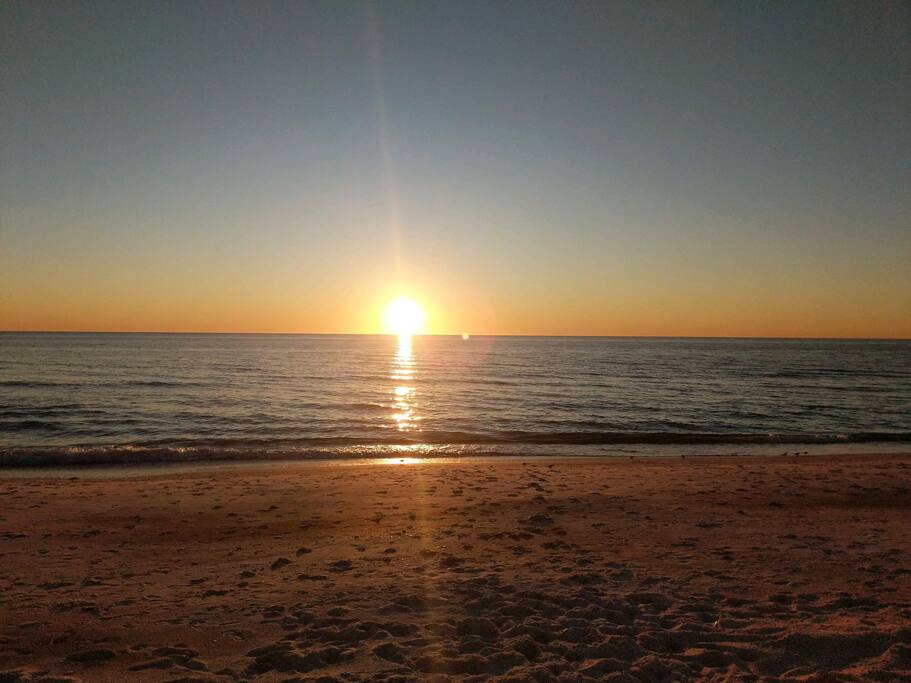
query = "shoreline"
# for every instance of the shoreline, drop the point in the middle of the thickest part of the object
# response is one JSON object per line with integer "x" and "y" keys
{"x": 133, "y": 470}
{"x": 127, "y": 456}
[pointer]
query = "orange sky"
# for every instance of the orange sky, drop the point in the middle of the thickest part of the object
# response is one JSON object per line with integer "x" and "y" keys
{"x": 580, "y": 302}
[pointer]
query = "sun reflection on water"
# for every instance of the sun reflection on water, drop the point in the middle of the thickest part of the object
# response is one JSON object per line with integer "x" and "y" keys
{"x": 403, "y": 393}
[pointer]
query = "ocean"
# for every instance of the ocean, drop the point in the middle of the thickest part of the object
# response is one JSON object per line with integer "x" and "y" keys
{"x": 110, "y": 398}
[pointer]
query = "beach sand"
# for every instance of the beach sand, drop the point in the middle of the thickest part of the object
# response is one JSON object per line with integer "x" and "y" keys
{"x": 534, "y": 570}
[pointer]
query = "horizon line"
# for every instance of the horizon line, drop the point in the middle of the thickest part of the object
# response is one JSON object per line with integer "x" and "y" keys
{"x": 457, "y": 334}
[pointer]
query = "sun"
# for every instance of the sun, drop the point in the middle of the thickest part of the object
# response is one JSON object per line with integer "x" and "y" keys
{"x": 404, "y": 317}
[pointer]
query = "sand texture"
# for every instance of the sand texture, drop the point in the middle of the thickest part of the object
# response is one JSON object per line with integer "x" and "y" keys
{"x": 726, "y": 569}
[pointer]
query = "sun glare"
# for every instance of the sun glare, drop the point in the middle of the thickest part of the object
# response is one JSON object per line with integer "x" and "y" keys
{"x": 404, "y": 317}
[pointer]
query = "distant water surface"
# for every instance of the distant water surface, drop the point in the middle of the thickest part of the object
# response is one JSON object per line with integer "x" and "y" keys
{"x": 135, "y": 397}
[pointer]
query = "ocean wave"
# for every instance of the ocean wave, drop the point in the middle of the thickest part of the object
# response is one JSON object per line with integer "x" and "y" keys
{"x": 34, "y": 384}
{"x": 31, "y": 426}
{"x": 154, "y": 383}
{"x": 429, "y": 444}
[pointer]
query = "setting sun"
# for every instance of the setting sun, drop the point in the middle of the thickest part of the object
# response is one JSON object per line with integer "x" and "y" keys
{"x": 404, "y": 317}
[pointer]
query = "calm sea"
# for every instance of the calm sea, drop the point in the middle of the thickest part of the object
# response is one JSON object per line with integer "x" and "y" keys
{"x": 73, "y": 398}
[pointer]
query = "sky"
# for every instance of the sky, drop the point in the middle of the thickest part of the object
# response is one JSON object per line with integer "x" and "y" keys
{"x": 683, "y": 169}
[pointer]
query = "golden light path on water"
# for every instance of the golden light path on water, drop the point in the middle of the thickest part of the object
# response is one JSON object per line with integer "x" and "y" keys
{"x": 403, "y": 392}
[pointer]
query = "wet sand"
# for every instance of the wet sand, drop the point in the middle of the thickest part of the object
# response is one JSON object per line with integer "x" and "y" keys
{"x": 535, "y": 570}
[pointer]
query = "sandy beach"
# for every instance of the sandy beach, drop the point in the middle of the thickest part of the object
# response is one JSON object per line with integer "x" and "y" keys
{"x": 521, "y": 570}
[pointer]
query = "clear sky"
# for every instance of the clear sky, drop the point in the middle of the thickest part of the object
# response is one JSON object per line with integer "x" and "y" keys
{"x": 519, "y": 167}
